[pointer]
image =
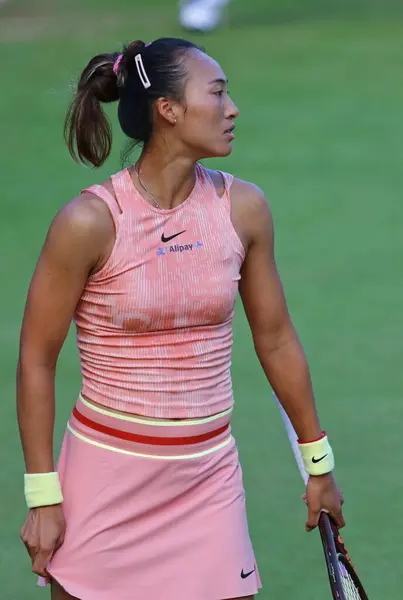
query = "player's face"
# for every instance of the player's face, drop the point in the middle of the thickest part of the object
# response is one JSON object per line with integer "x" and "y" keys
{"x": 207, "y": 117}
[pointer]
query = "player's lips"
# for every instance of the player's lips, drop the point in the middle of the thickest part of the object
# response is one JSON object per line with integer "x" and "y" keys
{"x": 229, "y": 132}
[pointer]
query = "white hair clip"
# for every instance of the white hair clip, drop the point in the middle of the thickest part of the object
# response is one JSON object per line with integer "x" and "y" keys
{"x": 141, "y": 71}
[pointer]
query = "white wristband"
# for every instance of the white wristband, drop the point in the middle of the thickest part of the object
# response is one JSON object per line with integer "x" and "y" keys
{"x": 42, "y": 489}
{"x": 317, "y": 456}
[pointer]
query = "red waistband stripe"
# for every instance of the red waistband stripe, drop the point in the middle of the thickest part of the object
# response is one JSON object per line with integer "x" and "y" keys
{"x": 147, "y": 439}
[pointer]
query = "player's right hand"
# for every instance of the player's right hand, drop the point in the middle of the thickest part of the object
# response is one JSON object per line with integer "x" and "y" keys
{"x": 323, "y": 494}
{"x": 43, "y": 533}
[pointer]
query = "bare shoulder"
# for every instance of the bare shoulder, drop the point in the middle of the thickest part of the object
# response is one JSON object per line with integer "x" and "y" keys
{"x": 244, "y": 194}
{"x": 249, "y": 198}
{"x": 85, "y": 214}
{"x": 82, "y": 228}
{"x": 250, "y": 210}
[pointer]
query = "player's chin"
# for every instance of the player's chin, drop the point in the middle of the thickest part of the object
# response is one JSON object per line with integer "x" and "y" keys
{"x": 222, "y": 150}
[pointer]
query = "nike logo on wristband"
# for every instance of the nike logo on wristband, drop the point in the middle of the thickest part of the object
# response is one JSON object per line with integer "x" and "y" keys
{"x": 316, "y": 460}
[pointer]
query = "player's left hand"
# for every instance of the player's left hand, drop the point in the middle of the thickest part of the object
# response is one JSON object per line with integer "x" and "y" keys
{"x": 322, "y": 493}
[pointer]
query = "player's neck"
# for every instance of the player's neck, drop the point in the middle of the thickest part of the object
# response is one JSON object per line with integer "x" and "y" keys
{"x": 169, "y": 178}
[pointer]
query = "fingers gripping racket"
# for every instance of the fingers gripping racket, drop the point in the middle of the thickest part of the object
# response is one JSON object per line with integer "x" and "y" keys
{"x": 344, "y": 581}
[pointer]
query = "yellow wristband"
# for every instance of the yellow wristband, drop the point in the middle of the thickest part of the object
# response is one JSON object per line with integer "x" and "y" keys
{"x": 317, "y": 456}
{"x": 42, "y": 489}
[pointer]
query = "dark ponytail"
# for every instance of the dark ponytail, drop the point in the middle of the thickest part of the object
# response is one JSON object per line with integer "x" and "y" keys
{"x": 87, "y": 129}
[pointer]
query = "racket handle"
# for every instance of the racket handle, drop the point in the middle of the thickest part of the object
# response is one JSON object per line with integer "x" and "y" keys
{"x": 292, "y": 436}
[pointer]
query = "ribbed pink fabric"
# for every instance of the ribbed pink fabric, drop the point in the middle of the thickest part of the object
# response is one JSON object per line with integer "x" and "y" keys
{"x": 154, "y": 325}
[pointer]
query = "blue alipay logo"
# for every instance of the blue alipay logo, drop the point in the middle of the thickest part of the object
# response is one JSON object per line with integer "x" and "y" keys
{"x": 163, "y": 250}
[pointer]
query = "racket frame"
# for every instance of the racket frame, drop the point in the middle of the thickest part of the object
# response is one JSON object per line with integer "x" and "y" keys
{"x": 332, "y": 541}
{"x": 331, "y": 556}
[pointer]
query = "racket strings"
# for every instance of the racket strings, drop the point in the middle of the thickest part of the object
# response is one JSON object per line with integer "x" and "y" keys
{"x": 349, "y": 587}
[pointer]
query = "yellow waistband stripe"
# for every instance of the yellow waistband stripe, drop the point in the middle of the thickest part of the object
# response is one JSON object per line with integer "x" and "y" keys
{"x": 154, "y": 422}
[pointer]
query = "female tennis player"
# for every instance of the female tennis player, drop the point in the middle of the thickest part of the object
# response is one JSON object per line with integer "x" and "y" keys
{"x": 147, "y": 501}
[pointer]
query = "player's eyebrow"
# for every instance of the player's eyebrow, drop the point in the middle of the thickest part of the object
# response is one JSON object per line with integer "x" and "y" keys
{"x": 219, "y": 80}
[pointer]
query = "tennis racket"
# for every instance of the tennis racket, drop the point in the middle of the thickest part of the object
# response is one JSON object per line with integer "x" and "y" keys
{"x": 343, "y": 578}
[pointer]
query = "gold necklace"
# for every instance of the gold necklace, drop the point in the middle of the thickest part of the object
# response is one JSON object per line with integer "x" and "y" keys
{"x": 136, "y": 168}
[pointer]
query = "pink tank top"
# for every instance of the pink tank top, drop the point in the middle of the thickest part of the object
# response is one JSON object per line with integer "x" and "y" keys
{"x": 154, "y": 325}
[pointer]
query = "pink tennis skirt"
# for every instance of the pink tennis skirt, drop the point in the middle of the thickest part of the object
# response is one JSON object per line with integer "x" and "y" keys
{"x": 154, "y": 509}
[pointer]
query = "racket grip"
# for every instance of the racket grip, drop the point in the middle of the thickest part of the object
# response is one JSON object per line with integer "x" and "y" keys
{"x": 292, "y": 436}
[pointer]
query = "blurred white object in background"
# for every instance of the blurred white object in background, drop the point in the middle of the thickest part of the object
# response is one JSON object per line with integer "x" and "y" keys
{"x": 202, "y": 15}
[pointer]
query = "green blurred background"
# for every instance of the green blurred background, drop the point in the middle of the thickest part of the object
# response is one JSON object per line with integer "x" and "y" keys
{"x": 320, "y": 90}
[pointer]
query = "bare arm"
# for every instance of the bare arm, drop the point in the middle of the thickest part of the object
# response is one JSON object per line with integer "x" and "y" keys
{"x": 80, "y": 236}
{"x": 275, "y": 339}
